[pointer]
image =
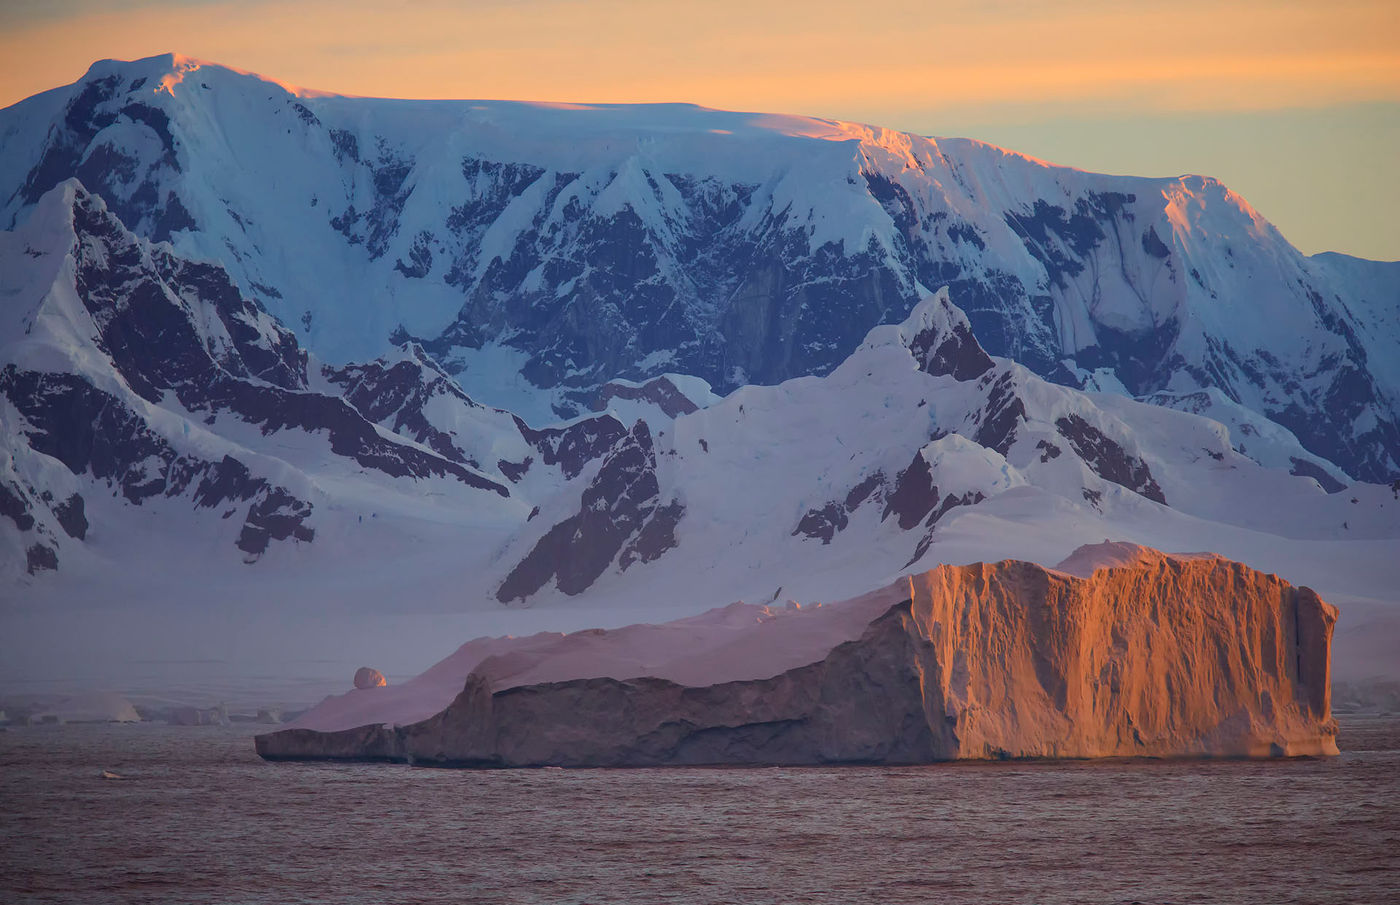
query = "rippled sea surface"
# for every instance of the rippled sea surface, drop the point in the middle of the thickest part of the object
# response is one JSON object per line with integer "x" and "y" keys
{"x": 197, "y": 817}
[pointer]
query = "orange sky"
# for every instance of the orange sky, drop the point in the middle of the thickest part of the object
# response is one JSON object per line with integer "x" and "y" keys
{"x": 932, "y": 67}
{"x": 800, "y": 57}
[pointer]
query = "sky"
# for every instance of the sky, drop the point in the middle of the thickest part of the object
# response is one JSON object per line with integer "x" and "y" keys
{"x": 1295, "y": 104}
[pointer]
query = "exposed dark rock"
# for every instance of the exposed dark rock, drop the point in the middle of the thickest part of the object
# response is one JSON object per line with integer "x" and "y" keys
{"x": 398, "y": 393}
{"x": 350, "y": 435}
{"x": 915, "y": 494}
{"x": 864, "y": 490}
{"x": 387, "y": 175}
{"x": 262, "y": 348}
{"x": 92, "y": 432}
{"x": 227, "y": 479}
{"x": 1002, "y": 415}
{"x": 139, "y": 299}
{"x": 135, "y": 189}
{"x": 152, "y": 311}
{"x": 15, "y": 505}
{"x": 306, "y": 115}
{"x": 1153, "y": 244}
{"x": 1327, "y": 427}
{"x": 276, "y": 516}
{"x": 173, "y": 218}
{"x": 1308, "y": 470}
{"x": 1060, "y": 239}
{"x": 822, "y": 523}
{"x": 40, "y": 557}
{"x": 825, "y": 522}
{"x": 63, "y": 151}
{"x": 420, "y": 257}
{"x": 1144, "y": 360}
{"x": 950, "y": 350}
{"x": 615, "y": 507}
{"x": 72, "y": 517}
{"x": 659, "y": 391}
{"x": 657, "y": 536}
{"x": 514, "y": 471}
{"x": 140, "y": 304}
{"x": 732, "y": 286}
{"x": 1107, "y": 459}
{"x": 572, "y": 447}
{"x": 346, "y": 144}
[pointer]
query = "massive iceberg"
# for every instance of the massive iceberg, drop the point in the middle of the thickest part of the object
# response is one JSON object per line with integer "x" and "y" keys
{"x": 1119, "y": 651}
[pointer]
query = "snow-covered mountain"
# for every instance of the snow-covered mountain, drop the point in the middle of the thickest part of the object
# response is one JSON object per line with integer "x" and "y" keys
{"x": 134, "y": 377}
{"x": 235, "y": 377}
{"x": 539, "y": 247}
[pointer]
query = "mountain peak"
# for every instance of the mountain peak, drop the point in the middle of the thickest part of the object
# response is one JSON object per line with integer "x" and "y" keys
{"x": 165, "y": 74}
{"x": 939, "y": 337}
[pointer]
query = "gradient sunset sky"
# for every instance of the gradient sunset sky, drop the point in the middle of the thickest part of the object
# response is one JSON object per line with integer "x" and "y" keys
{"x": 1293, "y": 103}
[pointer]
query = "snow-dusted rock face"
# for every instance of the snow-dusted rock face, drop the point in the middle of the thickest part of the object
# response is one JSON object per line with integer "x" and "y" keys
{"x": 1141, "y": 654}
{"x": 148, "y": 402}
{"x": 560, "y": 248}
{"x": 128, "y": 370}
{"x": 125, "y": 364}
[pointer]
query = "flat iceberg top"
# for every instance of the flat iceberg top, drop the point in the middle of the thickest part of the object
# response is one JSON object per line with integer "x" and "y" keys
{"x": 738, "y": 642}
{"x": 1090, "y": 558}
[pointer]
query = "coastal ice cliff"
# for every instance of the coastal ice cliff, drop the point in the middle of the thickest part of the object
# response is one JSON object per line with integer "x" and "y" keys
{"x": 1119, "y": 651}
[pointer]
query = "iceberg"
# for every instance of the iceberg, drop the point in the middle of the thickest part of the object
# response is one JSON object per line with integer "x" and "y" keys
{"x": 1121, "y": 651}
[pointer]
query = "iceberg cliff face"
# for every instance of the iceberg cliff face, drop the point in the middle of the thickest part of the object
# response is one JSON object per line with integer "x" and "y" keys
{"x": 1149, "y": 655}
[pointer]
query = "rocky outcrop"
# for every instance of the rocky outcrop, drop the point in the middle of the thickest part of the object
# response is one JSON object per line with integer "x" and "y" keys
{"x": 620, "y": 505}
{"x": 659, "y": 391}
{"x": 1139, "y": 654}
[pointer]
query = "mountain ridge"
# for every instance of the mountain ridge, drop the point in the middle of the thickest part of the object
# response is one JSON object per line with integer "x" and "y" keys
{"x": 232, "y": 416}
{"x": 549, "y": 246}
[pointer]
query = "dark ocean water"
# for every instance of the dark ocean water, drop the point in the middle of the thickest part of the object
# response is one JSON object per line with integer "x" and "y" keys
{"x": 199, "y": 818}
